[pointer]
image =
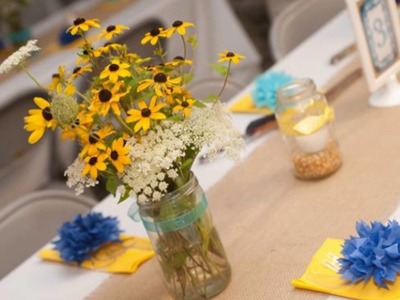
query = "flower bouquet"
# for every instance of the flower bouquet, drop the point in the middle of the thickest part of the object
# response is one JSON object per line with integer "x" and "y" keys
{"x": 140, "y": 129}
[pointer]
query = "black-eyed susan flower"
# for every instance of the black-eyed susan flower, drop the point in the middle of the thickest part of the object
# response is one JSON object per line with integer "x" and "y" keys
{"x": 179, "y": 27}
{"x": 179, "y": 60}
{"x": 94, "y": 164}
{"x": 162, "y": 84}
{"x": 81, "y": 25}
{"x": 59, "y": 84}
{"x": 112, "y": 31}
{"x": 79, "y": 71}
{"x": 39, "y": 120}
{"x": 107, "y": 98}
{"x": 230, "y": 57}
{"x": 115, "y": 70}
{"x": 80, "y": 127}
{"x": 153, "y": 36}
{"x": 86, "y": 55}
{"x": 57, "y": 80}
{"x": 106, "y": 49}
{"x": 184, "y": 105}
{"x": 118, "y": 155}
{"x": 145, "y": 113}
{"x": 95, "y": 141}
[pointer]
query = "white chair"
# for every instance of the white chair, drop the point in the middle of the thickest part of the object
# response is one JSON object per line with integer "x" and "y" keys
{"x": 31, "y": 221}
{"x": 298, "y": 21}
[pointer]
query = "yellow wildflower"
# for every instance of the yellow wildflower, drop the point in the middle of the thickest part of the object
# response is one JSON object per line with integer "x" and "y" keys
{"x": 161, "y": 83}
{"x": 145, "y": 113}
{"x": 118, "y": 155}
{"x": 230, "y": 57}
{"x": 94, "y": 163}
{"x": 179, "y": 27}
{"x": 153, "y": 36}
{"x": 115, "y": 70}
{"x": 39, "y": 119}
{"x": 81, "y": 25}
{"x": 112, "y": 31}
{"x": 184, "y": 105}
{"x": 108, "y": 98}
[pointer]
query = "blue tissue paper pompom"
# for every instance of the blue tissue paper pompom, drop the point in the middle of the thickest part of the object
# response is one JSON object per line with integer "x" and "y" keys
{"x": 375, "y": 253}
{"x": 264, "y": 93}
{"x": 79, "y": 238}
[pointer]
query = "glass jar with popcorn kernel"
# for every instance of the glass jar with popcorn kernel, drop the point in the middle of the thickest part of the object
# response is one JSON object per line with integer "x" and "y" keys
{"x": 305, "y": 120}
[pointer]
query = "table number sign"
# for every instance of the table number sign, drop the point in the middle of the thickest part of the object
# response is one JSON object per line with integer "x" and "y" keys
{"x": 377, "y": 29}
{"x": 379, "y": 34}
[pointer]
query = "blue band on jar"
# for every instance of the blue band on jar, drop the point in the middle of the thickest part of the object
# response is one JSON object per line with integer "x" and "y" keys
{"x": 178, "y": 222}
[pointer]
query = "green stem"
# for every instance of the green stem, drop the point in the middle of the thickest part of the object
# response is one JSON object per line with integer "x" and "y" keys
{"x": 82, "y": 96}
{"x": 31, "y": 76}
{"x": 123, "y": 124}
{"x": 226, "y": 79}
{"x": 184, "y": 47}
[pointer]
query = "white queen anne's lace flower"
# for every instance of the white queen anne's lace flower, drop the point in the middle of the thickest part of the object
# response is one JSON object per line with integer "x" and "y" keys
{"x": 19, "y": 56}
{"x": 157, "y": 158}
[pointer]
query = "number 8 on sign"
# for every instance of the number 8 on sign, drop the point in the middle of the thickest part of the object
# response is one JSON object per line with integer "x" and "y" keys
{"x": 379, "y": 34}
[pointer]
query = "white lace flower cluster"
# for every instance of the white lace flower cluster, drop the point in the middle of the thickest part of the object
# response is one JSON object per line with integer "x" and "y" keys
{"x": 19, "y": 56}
{"x": 160, "y": 154}
{"x": 158, "y": 157}
{"x": 75, "y": 179}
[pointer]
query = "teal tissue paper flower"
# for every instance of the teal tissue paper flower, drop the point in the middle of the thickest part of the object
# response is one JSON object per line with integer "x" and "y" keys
{"x": 264, "y": 93}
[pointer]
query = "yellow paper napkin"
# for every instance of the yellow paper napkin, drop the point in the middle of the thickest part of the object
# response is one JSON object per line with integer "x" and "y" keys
{"x": 320, "y": 278}
{"x": 124, "y": 257}
{"x": 246, "y": 105}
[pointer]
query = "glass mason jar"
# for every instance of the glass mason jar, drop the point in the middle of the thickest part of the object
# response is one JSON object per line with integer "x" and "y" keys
{"x": 306, "y": 122}
{"x": 186, "y": 243}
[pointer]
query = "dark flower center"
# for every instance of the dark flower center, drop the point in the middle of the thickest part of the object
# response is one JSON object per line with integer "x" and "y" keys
{"x": 76, "y": 70}
{"x": 105, "y": 95}
{"x": 110, "y": 28}
{"x": 146, "y": 112}
{"x": 155, "y": 32}
{"x": 79, "y": 21}
{"x": 185, "y": 104}
{"x": 46, "y": 113}
{"x": 93, "y": 138}
{"x": 178, "y": 58}
{"x": 114, "y": 155}
{"x": 76, "y": 123}
{"x": 55, "y": 76}
{"x": 113, "y": 67}
{"x": 160, "y": 78}
{"x": 230, "y": 54}
{"x": 92, "y": 161}
{"x": 177, "y": 23}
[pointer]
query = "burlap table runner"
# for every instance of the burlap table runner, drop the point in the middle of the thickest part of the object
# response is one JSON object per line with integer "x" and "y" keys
{"x": 271, "y": 223}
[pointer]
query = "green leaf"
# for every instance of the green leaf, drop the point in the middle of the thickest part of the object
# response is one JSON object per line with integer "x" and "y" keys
{"x": 199, "y": 104}
{"x": 211, "y": 98}
{"x": 175, "y": 118}
{"x": 220, "y": 69}
{"x": 187, "y": 163}
{"x": 192, "y": 40}
{"x": 187, "y": 78}
{"x": 111, "y": 185}
{"x": 126, "y": 195}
